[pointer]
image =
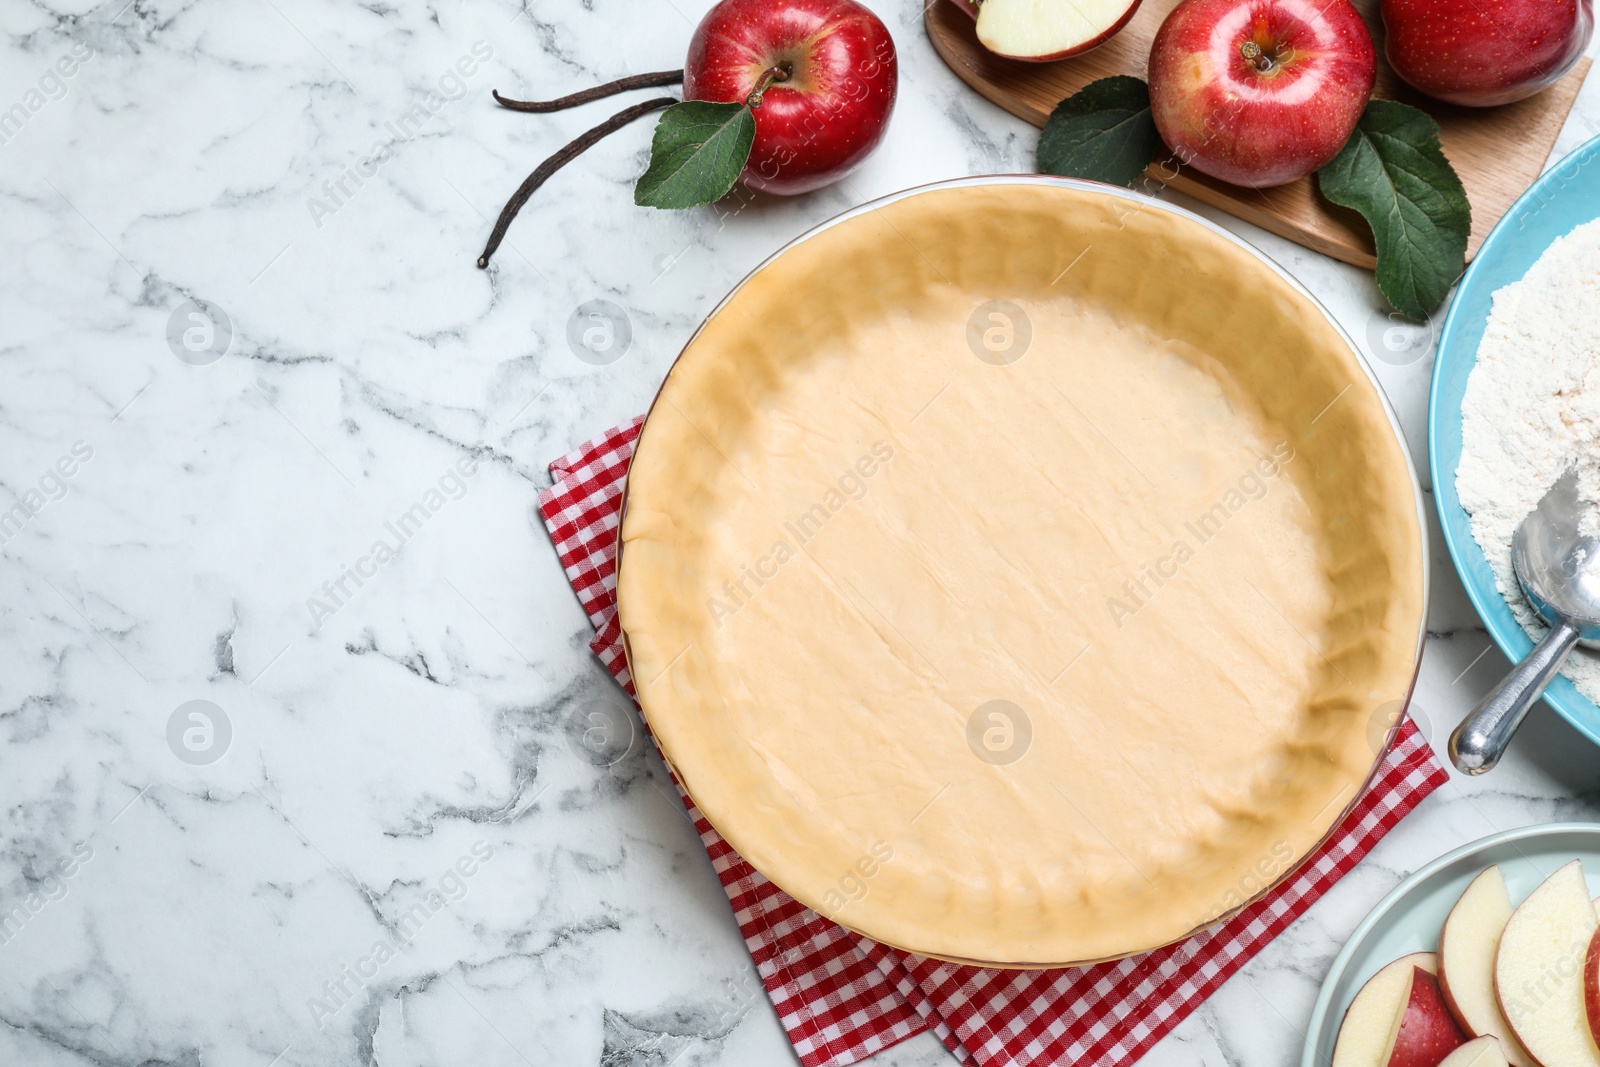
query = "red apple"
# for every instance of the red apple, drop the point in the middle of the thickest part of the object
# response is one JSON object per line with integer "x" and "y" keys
{"x": 1260, "y": 92}
{"x": 1485, "y": 52}
{"x": 820, "y": 75}
{"x": 1039, "y": 31}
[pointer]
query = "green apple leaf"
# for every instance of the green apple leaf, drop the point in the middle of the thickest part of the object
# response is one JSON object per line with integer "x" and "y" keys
{"x": 697, "y": 153}
{"x": 1103, "y": 131}
{"x": 1394, "y": 173}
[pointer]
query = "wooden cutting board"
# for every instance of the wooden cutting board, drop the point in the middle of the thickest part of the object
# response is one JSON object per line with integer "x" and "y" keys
{"x": 1497, "y": 151}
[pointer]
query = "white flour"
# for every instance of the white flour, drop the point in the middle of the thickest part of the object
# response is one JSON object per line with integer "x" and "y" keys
{"x": 1532, "y": 409}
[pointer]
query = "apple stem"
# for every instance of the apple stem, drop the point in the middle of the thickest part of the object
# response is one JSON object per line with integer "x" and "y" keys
{"x": 771, "y": 76}
{"x": 1256, "y": 57}
{"x": 575, "y": 148}
{"x": 653, "y": 80}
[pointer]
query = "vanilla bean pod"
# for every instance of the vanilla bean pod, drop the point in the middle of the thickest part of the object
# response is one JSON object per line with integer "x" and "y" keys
{"x": 653, "y": 80}
{"x": 573, "y": 150}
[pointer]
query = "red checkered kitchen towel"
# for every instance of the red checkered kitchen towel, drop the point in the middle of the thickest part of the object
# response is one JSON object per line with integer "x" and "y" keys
{"x": 842, "y": 997}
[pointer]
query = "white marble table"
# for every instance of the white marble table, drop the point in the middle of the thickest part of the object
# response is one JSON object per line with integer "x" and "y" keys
{"x": 410, "y": 737}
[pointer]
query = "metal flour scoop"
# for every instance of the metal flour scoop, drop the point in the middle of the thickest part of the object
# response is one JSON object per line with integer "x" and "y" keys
{"x": 1559, "y": 571}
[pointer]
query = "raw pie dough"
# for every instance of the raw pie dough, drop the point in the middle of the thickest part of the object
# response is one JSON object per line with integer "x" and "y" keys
{"x": 1176, "y": 540}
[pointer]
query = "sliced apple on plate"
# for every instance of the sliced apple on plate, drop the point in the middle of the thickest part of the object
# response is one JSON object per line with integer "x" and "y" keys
{"x": 1467, "y": 946}
{"x": 1399, "y": 1019}
{"x": 1539, "y": 971}
{"x": 1479, "y": 1052}
{"x": 1043, "y": 30}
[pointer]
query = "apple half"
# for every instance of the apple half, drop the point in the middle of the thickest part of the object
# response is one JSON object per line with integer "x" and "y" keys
{"x": 1399, "y": 1019}
{"x": 1538, "y": 971}
{"x": 1467, "y": 946}
{"x": 1039, "y": 31}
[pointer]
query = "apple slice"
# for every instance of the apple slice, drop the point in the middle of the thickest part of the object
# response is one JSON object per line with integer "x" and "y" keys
{"x": 1043, "y": 30}
{"x": 1591, "y": 985}
{"x": 1467, "y": 947}
{"x": 1373, "y": 1020}
{"x": 1427, "y": 1032}
{"x": 1479, "y": 1052}
{"x": 1538, "y": 971}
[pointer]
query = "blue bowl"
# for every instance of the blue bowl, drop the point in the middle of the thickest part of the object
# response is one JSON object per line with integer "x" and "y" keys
{"x": 1565, "y": 196}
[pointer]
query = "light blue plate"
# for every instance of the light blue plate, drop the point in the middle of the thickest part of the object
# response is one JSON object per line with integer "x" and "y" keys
{"x": 1409, "y": 919}
{"x": 1565, "y": 196}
